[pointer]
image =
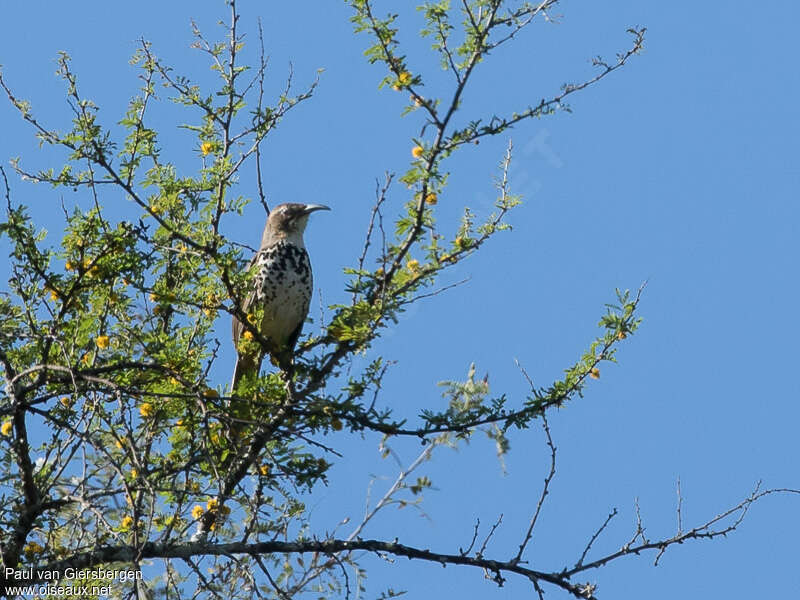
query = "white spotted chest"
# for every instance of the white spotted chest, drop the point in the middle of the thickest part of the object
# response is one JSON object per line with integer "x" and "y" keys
{"x": 283, "y": 286}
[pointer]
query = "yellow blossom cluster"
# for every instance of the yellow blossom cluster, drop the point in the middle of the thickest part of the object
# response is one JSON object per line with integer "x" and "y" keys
{"x": 403, "y": 80}
{"x": 31, "y": 549}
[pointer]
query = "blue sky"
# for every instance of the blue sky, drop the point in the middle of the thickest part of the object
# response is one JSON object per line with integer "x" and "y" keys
{"x": 680, "y": 169}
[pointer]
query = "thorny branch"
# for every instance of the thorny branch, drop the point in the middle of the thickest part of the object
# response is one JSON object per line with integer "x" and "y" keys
{"x": 545, "y": 490}
{"x": 560, "y": 579}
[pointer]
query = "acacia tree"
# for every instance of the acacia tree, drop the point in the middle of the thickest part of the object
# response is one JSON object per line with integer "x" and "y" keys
{"x": 117, "y": 448}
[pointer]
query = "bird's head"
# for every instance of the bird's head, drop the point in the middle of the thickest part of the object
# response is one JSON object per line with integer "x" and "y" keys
{"x": 288, "y": 222}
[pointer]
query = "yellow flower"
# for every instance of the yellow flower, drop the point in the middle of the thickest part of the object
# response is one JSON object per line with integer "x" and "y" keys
{"x": 197, "y": 511}
{"x": 248, "y": 335}
{"x": 413, "y": 265}
{"x": 594, "y": 373}
{"x": 5, "y": 428}
{"x": 146, "y": 409}
{"x": 66, "y": 401}
{"x": 206, "y": 148}
{"x": 622, "y": 335}
{"x": 53, "y": 295}
{"x": 134, "y": 473}
{"x": 102, "y": 342}
{"x": 179, "y": 423}
{"x": 417, "y": 151}
{"x": 87, "y": 262}
{"x": 431, "y": 199}
{"x": 118, "y": 444}
{"x": 127, "y": 522}
{"x": 212, "y": 504}
{"x": 402, "y": 81}
{"x": 264, "y": 469}
{"x": 69, "y": 266}
{"x": 31, "y": 549}
{"x": 86, "y": 359}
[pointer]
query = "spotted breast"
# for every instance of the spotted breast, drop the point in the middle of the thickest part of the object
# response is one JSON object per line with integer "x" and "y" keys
{"x": 283, "y": 288}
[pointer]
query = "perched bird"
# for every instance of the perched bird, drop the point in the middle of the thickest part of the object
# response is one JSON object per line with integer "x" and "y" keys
{"x": 281, "y": 290}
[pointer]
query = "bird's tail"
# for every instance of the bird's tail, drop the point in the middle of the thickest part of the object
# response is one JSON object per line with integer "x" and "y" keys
{"x": 246, "y": 366}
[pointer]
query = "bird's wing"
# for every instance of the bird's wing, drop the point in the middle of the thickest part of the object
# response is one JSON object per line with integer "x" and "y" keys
{"x": 237, "y": 326}
{"x": 244, "y": 364}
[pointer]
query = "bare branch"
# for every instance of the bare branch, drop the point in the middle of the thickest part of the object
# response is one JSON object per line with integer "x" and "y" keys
{"x": 545, "y": 490}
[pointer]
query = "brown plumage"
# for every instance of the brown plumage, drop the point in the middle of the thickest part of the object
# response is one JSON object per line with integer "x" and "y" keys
{"x": 281, "y": 287}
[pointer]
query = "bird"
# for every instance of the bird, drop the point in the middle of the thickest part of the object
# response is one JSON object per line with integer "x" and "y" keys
{"x": 277, "y": 303}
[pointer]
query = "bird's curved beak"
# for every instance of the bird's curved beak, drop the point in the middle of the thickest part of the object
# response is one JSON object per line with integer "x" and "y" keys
{"x": 314, "y": 207}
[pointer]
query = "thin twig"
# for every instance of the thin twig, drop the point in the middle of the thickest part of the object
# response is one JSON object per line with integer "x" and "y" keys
{"x": 545, "y": 490}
